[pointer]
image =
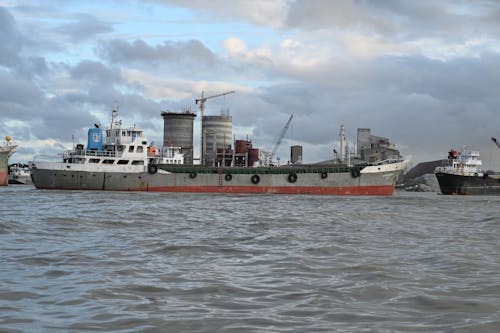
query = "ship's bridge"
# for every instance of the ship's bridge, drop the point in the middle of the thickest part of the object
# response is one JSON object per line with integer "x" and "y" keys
{"x": 469, "y": 158}
{"x": 123, "y": 136}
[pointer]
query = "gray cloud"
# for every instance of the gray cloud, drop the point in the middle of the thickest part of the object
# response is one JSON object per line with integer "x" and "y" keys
{"x": 17, "y": 92}
{"x": 94, "y": 71}
{"x": 189, "y": 52}
{"x": 399, "y": 20}
{"x": 84, "y": 27}
{"x": 10, "y": 37}
{"x": 424, "y": 105}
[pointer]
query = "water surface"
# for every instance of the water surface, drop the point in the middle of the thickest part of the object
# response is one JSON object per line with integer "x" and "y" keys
{"x": 73, "y": 261}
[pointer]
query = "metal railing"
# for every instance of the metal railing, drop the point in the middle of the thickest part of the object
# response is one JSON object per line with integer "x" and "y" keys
{"x": 84, "y": 152}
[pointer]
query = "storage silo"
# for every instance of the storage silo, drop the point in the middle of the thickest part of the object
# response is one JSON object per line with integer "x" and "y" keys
{"x": 178, "y": 132}
{"x": 296, "y": 154}
{"x": 217, "y": 133}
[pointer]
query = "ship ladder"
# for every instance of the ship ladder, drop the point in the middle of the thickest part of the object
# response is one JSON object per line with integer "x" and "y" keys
{"x": 220, "y": 173}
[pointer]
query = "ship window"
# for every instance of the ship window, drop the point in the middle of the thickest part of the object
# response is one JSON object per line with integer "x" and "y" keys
{"x": 123, "y": 162}
{"x": 108, "y": 161}
{"x": 139, "y": 149}
{"x": 131, "y": 149}
{"x": 94, "y": 160}
{"x": 137, "y": 162}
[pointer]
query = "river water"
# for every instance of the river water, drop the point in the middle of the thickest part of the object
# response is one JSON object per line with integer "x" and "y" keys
{"x": 74, "y": 261}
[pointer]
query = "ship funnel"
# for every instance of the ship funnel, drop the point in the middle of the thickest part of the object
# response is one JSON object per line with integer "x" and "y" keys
{"x": 95, "y": 139}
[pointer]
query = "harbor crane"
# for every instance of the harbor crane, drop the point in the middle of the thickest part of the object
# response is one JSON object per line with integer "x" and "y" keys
{"x": 496, "y": 142}
{"x": 269, "y": 156}
{"x": 202, "y": 101}
{"x": 280, "y": 138}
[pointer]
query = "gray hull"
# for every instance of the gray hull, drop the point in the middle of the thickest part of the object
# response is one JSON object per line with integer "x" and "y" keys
{"x": 224, "y": 180}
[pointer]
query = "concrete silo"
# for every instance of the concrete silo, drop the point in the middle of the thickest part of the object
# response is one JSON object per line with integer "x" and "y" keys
{"x": 296, "y": 154}
{"x": 217, "y": 134}
{"x": 178, "y": 132}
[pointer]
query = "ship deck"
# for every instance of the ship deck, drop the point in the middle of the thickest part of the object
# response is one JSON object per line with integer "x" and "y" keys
{"x": 257, "y": 170}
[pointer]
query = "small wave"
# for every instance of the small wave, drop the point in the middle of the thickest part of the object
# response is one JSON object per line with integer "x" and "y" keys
{"x": 18, "y": 295}
{"x": 56, "y": 273}
{"x": 428, "y": 303}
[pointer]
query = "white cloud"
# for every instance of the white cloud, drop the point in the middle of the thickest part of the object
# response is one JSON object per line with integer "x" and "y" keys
{"x": 235, "y": 46}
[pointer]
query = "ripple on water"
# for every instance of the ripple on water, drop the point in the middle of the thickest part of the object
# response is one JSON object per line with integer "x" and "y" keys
{"x": 142, "y": 262}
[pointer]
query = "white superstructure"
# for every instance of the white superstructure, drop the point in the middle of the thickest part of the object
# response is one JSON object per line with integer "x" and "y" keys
{"x": 464, "y": 163}
{"x": 123, "y": 150}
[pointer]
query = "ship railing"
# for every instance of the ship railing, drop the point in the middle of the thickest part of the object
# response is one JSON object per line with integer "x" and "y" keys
{"x": 104, "y": 153}
{"x": 387, "y": 161}
{"x": 440, "y": 169}
{"x": 84, "y": 152}
{"x": 261, "y": 170}
{"x": 459, "y": 169}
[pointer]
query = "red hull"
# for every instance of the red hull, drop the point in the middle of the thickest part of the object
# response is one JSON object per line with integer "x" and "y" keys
{"x": 358, "y": 190}
{"x": 4, "y": 178}
{"x": 355, "y": 190}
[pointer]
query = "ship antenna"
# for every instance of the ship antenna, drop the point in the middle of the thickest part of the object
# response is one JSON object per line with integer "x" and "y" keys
{"x": 113, "y": 115}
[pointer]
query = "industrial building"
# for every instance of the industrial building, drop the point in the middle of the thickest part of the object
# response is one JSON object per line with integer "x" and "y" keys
{"x": 217, "y": 140}
{"x": 178, "y": 132}
{"x": 371, "y": 148}
{"x": 217, "y": 134}
{"x": 217, "y": 147}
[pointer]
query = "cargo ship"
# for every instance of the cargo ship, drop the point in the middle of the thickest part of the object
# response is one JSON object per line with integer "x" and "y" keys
{"x": 6, "y": 150}
{"x": 463, "y": 174}
{"x": 124, "y": 161}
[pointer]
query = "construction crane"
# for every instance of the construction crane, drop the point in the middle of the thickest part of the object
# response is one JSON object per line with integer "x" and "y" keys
{"x": 496, "y": 142}
{"x": 202, "y": 101}
{"x": 280, "y": 138}
{"x": 266, "y": 156}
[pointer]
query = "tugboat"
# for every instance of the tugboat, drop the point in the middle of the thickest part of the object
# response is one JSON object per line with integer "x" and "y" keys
{"x": 463, "y": 174}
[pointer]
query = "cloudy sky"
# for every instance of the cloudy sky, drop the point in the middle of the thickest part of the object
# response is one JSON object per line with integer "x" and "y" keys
{"x": 425, "y": 74}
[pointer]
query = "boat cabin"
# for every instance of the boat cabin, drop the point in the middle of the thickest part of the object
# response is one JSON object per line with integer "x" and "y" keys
{"x": 466, "y": 163}
{"x": 122, "y": 146}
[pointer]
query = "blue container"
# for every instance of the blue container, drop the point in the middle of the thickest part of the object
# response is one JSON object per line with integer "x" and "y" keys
{"x": 95, "y": 140}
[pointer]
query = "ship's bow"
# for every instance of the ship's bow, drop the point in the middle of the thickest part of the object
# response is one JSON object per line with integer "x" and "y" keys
{"x": 381, "y": 178}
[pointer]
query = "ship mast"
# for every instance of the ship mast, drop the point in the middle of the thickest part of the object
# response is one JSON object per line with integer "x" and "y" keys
{"x": 114, "y": 122}
{"x": 342, "y": 143}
